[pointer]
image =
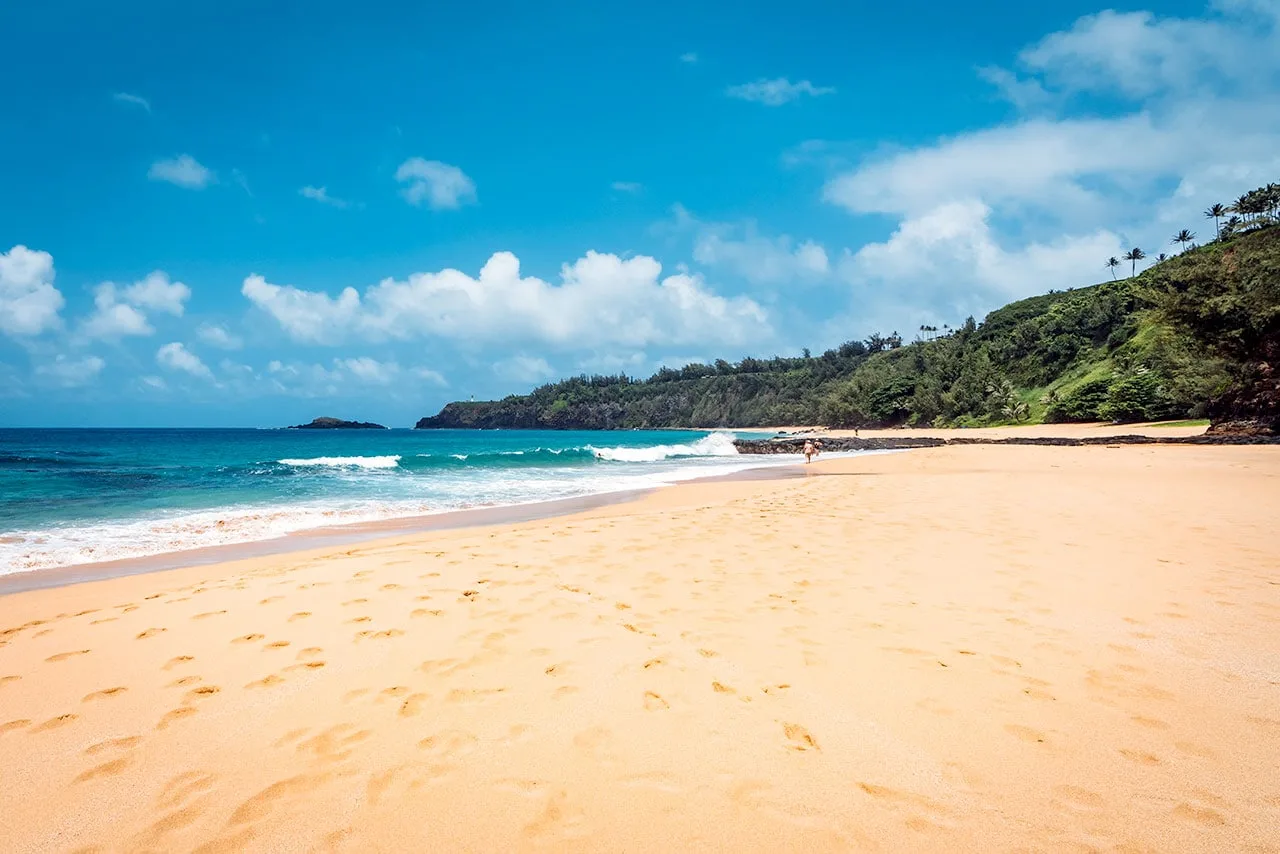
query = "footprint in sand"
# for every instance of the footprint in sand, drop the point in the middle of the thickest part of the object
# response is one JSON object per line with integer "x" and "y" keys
{"x": 12, "y": 725}
{"x": 309, "y": 652}
{"x": 799, "y": 738}
{"x": 1140, "y": 756}
{"x": 124, "y": 743}
{"x": 185, "y": 680}
{"x": 720, "y": 688}
{"x": 207, "y": 614}
{"x": 276, "y": 645}
{"x": 266, "y": 682}
{"x": 776, "y": 689}
{"x": 54, "y": 723}
{"x": 174, "y": 662}
{"x": 4, "y": 680}
{"x": 654, "y": 702}
{"x": 106, "y": 769}
{"x": 301, "y": 615}
{"x": 203, "y": 691}
{"x": 63, "y": 656}
{"x": 426, "y": 612}
{"x": 175, "y": 715}
{"x": 103, "y": 694}
{"x": 1203, "y": 816}
{"x": 309, "y": 665}
{"x": 360, "y": 620}
{"x": 412, "y": 705}
{"x": 149, "y": 633}
{"x": 247, "y": 638}
{"x": 270, "y": 599}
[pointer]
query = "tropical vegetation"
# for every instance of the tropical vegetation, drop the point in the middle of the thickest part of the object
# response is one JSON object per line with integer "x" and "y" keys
{"x": 1194, "y": 335}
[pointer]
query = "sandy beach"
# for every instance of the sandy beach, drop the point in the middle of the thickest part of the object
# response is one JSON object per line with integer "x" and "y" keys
{"x": 953, "y": 649}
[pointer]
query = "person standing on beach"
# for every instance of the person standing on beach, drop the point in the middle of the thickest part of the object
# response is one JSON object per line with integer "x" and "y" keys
{"x": 809, "y": 451}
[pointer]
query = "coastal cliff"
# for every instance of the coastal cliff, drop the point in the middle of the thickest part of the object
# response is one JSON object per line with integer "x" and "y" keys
{"x": 1193, "y": 336}
{"x": 326, "y": 423}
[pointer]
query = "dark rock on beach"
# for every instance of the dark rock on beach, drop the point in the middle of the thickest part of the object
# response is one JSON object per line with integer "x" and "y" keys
{"x": 325, "y": 423}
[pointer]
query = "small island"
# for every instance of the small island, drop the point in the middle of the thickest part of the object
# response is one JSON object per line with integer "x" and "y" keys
{"x": 325, "y": 423}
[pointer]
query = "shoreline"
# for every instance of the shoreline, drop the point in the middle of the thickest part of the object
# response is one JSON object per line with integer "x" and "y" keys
{"x": 333, "y": 536}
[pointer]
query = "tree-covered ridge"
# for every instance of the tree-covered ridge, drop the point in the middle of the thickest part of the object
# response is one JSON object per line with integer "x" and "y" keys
{"x": 1193, "y": 335}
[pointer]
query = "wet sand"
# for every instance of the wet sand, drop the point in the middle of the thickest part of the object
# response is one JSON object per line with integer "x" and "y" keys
{"x": 961, "y": 649}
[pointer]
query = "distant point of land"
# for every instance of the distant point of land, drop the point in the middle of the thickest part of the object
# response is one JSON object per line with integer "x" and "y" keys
{"x": 325, "y": 423}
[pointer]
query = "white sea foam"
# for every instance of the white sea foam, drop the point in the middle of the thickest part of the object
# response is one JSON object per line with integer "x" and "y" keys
{"x": 715, "y": 445}
{"x": 388, "y": 462}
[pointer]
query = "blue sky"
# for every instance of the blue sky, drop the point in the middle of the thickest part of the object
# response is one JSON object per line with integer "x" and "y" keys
{"x": 231, "y": 215}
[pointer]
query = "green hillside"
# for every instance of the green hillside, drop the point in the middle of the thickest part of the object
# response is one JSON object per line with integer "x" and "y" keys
{"x": 1191, "y": 336}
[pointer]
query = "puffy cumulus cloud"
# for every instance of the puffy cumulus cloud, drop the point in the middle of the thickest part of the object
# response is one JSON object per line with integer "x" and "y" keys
{"x": 118, "y": 311}
{"x": 1138, "y": 54}
{"x": 158, "y": 293}
{"x": 218, "y": 336}
{"x": 176, "y": 357}
{"x": 954, "y": 252}
{"x": 601, "y": 300}
{"x": 182, "y": 171}
{"x": 112, "y": 318}
{"x": 440, "y": 186}
{"x": 29, "y": 303}
{"x": 775, "y": 93}
{"x": 71, "y": 372}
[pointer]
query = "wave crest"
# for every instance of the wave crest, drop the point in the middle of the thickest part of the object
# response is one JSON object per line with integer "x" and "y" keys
{"x": 715, "y": 445}
{"x": 387, "y": 462}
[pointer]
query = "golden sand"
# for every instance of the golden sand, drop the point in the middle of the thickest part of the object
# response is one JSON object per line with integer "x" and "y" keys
{"x": 957, "y": 649}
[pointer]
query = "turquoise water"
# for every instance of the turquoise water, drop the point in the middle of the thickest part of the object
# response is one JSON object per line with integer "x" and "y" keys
{"x": 80, "y": 496}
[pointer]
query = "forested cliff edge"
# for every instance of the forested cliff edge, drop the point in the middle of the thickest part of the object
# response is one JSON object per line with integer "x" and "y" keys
{"x": 1194, "y": 335}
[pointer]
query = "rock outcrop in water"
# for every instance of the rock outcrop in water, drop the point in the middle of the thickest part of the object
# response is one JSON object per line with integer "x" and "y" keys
{"x": 326, "y": 423}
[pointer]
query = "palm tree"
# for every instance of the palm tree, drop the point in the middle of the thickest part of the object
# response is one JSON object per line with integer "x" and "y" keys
{"x": 1113, "y": 262}
{"x": 1161, "y": 257}
{"x": 1182, "y": 238}
{"x": 1135, "y": 255}
{"x": 1216, "y": 213}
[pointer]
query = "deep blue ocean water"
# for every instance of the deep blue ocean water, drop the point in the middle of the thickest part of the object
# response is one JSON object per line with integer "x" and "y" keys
{"x": 81, "y": 496}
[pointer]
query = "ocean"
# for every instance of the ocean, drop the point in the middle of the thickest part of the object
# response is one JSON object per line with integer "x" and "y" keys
{"x": 71, "y": 496}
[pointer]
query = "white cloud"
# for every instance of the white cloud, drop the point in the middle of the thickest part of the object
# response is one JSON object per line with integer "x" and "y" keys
{"x": 601, "y": 299}
{"x": 29, "y": 303}
{"x": 183, "y": 170}
{"x": 369, "y": 370}
{"x": 135, "y": 100}
{"x": 1137, "y": 54}
{"x": 525, "y": 369}
{"x": 775, "y": 93}
{"x": 952, "y": 254}
{"x": 177, "y": 357}
{"x": 438, "y": 185}
{"x": 70, "y": 373}
{"x": 112, "y": 318}
{"x": 158, "y": 293}
{"x": 321, "y": 195}
{"x": 118, "y": 310}
{"x": 218, "y": 336}
{"x": 627, "y": 186}
{"x": 689, "y": 57}
{"x": 154, "y": 382}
